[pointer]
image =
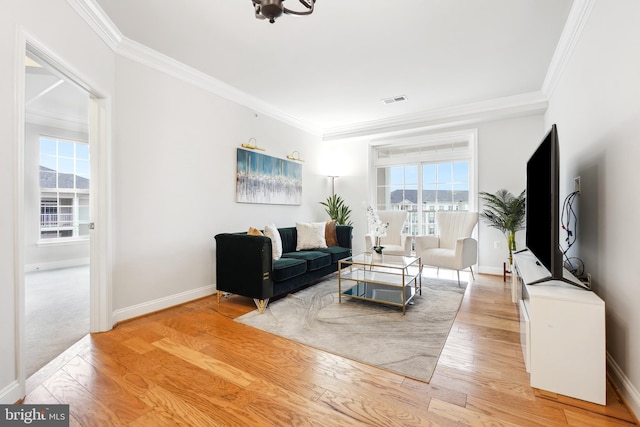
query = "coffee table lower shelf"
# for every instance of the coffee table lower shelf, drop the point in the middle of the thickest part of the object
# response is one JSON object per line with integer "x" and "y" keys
{"x": 387, "y": 279}
{"x": 383, "y": 294}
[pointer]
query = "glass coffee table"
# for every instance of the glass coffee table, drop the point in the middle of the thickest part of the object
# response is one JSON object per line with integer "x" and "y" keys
{"x": 386, "y": 279}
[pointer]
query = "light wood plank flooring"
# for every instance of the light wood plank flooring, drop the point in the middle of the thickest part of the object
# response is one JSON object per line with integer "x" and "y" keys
{"x": 193, "y": 365}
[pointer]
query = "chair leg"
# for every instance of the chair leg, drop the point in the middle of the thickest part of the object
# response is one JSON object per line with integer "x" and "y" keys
{"x": 458, "y": 271}
{"x": 472, "y": 275}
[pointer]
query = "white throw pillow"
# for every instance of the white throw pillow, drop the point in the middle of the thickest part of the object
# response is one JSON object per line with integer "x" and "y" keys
{"x": 310, "y": 235}
{"x": 271, "y": 231}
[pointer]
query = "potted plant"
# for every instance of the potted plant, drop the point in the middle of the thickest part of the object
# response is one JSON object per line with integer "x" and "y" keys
{"x": 377, "y": 228}
{"x": 337, "y": 210}
{"x": 505, "y": 212}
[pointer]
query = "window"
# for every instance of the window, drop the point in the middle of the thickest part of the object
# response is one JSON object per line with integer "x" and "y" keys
{"x": 435, "y": 174}
{"x": 64, "y": 189}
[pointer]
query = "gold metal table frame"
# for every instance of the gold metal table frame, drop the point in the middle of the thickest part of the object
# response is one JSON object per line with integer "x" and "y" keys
{"x": 387, "y": 279}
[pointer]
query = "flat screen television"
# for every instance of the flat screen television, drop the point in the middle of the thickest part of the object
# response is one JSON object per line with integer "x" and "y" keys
{"x": 542, "y": 212}
{"x": 542, "y": 217}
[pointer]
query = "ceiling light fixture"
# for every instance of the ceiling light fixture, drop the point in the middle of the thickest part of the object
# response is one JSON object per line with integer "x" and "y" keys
{"x": 271, "y": 9}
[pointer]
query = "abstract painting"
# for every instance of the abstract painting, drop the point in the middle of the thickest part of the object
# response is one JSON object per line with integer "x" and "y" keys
{"x": 266, "y": 179}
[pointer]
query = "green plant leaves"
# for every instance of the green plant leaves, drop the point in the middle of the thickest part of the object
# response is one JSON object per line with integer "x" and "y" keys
{"x": 337, "y": 210}
{"x": 505, "y": 212}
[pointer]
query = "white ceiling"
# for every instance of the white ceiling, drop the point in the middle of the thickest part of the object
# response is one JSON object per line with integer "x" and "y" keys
{"x": 332, "y": 68}
{"x": 50, "y": 99}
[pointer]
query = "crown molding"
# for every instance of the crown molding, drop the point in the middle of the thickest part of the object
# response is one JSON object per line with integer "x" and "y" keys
{"x": 528, "y": 103}
{"x": 493, "y": 109}
{"x": 93, "y": 14}
{"x": 60, "y": 121}
{"x": 139, "y": 53}
{"x": 576, "y": 21}
{"x": 99, "y": 22}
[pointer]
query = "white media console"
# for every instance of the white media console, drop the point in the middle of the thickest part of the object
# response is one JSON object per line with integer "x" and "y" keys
{"x": 562, "y": 332}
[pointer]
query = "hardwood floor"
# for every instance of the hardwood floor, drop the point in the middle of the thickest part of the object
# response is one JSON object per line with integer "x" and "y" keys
{"x": 193, "y": 365}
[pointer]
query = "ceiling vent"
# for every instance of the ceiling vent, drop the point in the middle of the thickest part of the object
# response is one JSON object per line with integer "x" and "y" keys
{"x": 394, "y": 99}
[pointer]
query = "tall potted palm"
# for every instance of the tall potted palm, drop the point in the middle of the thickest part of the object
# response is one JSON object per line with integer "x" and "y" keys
{"x": 506, "y": 212}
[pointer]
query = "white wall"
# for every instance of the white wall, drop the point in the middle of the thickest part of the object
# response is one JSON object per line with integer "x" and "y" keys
{"x": 597, "y": 109}
{"x": 349, "y": 160}
{"x": 38, "y": 256}
{"x": 504, "y": 147}
{"x": 8, "y": 371}
{"x": 174, "y": 158}
{"x": 55, "y": 25}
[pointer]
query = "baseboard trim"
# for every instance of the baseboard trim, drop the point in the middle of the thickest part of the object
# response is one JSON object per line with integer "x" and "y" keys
{"x": 161, "y": 303}
{"x": 76, "y": 262}
{"x": 629, "y": 393}
{"x": 12, "y": 393}
{"x": 494, "y": 271}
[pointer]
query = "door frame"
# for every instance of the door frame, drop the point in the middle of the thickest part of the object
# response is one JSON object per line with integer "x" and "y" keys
{"x": 101, "y": 311}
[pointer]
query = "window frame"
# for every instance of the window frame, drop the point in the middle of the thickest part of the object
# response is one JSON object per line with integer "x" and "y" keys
{"x": 423, "y": 149}
{"x": 80, "y": 196}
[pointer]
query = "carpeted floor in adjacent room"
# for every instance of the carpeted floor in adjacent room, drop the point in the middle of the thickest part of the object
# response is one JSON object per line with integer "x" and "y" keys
{"x": 56, "y": 313}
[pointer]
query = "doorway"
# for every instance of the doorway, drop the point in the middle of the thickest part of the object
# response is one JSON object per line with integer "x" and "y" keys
{"x": 93, "y": 222}
{"x": 57, "y": 213}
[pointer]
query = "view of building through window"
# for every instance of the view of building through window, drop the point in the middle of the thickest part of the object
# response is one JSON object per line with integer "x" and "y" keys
{"x": 64, "y": 188}
{"x": 433, "y": 173}
{"x": 422, "y": 190}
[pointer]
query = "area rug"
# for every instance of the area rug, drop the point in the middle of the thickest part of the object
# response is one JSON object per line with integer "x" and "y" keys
{"x": 368, "y": 332}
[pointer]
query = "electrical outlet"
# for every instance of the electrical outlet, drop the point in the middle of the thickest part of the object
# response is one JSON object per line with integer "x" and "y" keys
{"x": 497, "y": 244}
{"x": 576, "y": 184}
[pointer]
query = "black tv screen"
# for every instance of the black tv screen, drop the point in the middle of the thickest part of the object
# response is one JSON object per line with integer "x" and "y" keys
{"x": 542, "y": 218}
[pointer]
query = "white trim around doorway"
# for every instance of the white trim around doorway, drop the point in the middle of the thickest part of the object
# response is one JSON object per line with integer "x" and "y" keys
{"x": 101, "y": 238}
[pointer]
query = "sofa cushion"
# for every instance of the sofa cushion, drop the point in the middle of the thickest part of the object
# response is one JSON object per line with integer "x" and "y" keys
{"x": 286, "y": 268}
{"x": 289, "y": 237}
{"x": 315, "y": 259}
{"x": 337, "y": 253}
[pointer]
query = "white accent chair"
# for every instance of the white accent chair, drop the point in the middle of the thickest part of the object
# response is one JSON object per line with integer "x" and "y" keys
{"x": 453, "y": 248}
{"x": 395, "y": 242}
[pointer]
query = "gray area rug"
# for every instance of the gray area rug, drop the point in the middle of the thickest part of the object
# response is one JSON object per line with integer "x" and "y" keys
{"x": 368, "y": 332}
{"x": 56, "y": 313}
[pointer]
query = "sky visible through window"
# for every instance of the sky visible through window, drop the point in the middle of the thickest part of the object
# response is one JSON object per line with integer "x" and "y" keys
{"x": 451, "y": 176}
{"x": 65, "y": 157}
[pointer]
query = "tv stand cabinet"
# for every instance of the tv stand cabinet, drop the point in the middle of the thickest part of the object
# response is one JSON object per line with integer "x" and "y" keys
{"x": 562, "y": 332}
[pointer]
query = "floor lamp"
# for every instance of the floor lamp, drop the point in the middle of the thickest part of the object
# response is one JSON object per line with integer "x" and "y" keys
{"x": 333, "y": 184}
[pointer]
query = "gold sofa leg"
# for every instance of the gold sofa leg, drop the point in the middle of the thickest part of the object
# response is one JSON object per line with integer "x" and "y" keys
{"x": 261, "y": 304}
{"x": 221, "y": 295}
